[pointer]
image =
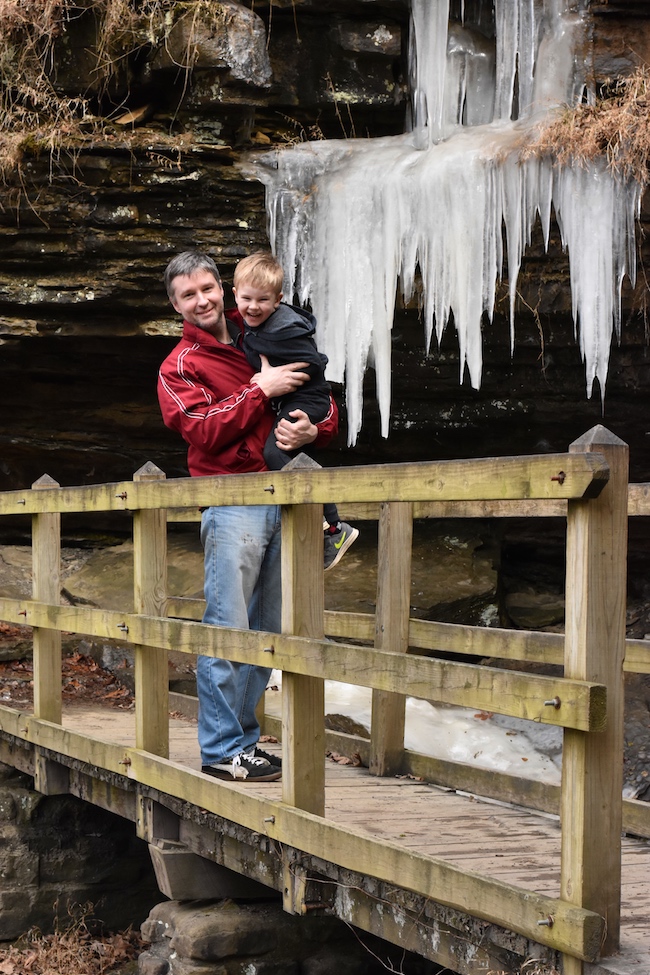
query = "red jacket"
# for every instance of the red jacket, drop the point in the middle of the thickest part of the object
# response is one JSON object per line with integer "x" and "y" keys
{"x": 206, "y": 395}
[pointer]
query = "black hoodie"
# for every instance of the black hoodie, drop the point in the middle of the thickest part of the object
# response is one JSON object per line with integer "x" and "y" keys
{"x": 287, "y": 335}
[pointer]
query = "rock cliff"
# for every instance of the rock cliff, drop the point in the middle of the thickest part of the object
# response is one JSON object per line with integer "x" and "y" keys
{"x": 86, "y": 231}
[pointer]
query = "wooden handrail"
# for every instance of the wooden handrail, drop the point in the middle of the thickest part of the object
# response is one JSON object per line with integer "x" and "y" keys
{"x": 499, "y": 643}
{"x": 391, "y": 632}
{"x": 638, "y": 506}
{"x": 514, "y": 693}
{"x": 587, "y": 485}
{"x": 547, "y": 476}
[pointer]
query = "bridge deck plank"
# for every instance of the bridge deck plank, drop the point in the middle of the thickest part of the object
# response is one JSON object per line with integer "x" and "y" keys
{"x": 510, "y": 844}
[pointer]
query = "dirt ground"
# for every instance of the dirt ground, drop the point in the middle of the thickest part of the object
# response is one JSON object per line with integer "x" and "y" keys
{"x": 84, "y": 681}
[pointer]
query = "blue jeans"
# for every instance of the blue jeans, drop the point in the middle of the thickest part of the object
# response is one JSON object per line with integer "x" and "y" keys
{"x": 243, "y": 588}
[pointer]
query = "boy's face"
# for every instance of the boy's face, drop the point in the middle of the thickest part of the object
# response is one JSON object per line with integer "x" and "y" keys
{"x": 255, "y": 304}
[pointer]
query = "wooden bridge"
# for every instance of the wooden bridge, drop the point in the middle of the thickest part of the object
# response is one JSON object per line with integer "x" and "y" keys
{"x": 475, "y": 870}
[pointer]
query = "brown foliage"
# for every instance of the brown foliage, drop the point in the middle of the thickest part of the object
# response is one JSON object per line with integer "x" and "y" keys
{"x": 83, "y": 681}
{"x": 35, "y": 116}
{"x": 616, "y": 129}
{"x": 75, "y": 950}
{"x": 29, "y": 103}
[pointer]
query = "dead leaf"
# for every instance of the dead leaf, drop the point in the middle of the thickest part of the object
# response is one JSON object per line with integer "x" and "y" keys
{"x": 134, "y": 117}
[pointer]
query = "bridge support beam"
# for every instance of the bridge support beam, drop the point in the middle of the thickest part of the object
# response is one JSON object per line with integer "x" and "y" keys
{"x": 185, "y": 876}
{"x": 50, "y": 778}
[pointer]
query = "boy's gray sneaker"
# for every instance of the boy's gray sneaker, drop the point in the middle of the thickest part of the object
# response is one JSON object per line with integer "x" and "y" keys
{"x": 337, "y": 543}
{"x": 244, "y": 767}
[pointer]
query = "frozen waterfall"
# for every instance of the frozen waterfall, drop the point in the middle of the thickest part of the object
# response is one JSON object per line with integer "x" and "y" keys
{"x": 453, "y": 199}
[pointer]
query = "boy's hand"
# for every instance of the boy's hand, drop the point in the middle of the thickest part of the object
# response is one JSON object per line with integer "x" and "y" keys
{"x": 280, "y": 380}
{"x": 295, "y": 434}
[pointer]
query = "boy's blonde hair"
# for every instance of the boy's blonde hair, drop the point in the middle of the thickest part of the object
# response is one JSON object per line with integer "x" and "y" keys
{"x": 260, "y": 269}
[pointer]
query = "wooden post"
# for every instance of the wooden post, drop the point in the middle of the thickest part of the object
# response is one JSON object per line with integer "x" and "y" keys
{"x": 50, "y": 777}
{"x": 46, "y": 588}
{"x": 303, "y": 698}
{"x": 150, "y": 599}
{"x": 592, "y": 764}
{"x": 391, "y": 631}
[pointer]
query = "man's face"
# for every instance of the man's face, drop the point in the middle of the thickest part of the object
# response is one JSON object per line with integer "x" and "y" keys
{"x": 255, "y": 304}
{"x": 198, "y": 298}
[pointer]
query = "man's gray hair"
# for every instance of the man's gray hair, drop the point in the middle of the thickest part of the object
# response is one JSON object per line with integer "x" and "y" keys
{"x": 189, "y": 262}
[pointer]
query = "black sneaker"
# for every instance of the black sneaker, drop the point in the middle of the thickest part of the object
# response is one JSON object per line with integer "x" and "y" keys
{"x": 267, "y": 756}
{"x": 243, "y": 767}
{"x": 337, "y": 543}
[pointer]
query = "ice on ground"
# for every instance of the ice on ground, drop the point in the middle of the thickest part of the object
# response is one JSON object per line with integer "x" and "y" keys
{"x": 493, "y": 742}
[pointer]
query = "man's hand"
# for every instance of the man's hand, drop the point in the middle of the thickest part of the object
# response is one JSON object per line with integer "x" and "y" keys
{"x": 280, "y": 380}
{"x": 292, "y": 435}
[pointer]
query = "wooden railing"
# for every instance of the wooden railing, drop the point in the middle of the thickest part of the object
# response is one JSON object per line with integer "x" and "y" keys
{"x": 588, "y": 484}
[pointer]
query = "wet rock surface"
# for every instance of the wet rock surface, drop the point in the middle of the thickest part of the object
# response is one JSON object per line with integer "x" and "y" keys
{"x": 58, "y": 852}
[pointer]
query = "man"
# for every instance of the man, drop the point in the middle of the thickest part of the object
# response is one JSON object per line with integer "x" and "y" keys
{"x": 209, "y": 394}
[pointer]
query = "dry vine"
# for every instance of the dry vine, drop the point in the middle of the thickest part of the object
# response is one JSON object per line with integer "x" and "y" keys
{"x": 36, "y": 114}
{"x": 616, "y": 128}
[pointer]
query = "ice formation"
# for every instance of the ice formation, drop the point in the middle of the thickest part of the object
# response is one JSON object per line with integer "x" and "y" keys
{"x": 453, "y": 199}
{"x": 497, "y": 742}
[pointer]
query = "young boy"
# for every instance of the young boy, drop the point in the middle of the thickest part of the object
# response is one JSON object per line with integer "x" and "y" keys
{"x": 285, "y": 333}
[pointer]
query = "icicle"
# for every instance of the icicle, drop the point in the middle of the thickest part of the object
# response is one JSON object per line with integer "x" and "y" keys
{"x": 428, "y": 56}
{"x": 469, "y": 79}
{"x": 596, "y": 215}
{"x": 559, "y": 73}
{"x": 352, "y": 220}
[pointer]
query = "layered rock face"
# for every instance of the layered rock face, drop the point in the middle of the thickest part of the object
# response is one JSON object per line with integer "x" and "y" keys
{"x": 85, "y": 235}
{"x": 59, "y": 853}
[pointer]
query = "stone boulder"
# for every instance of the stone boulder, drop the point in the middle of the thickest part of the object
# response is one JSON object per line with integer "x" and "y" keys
{"x": 224, "y": 35}
{"x": 199, "y": 938}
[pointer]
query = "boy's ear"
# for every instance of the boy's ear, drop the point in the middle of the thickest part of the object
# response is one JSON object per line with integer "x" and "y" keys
{"x": 280, "y": 297}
